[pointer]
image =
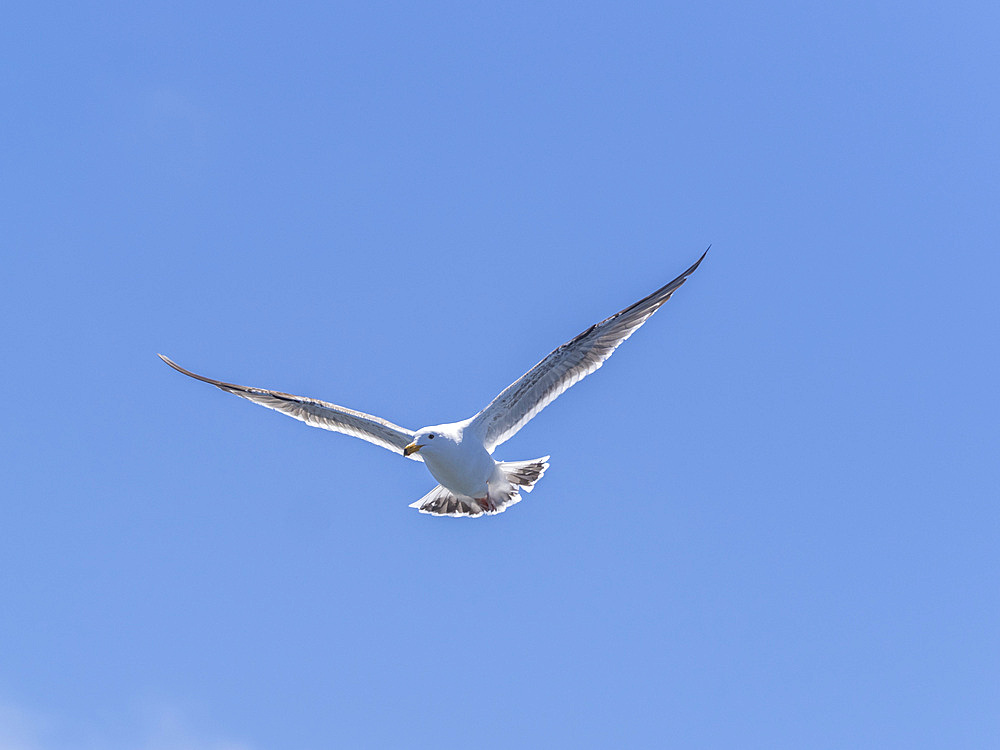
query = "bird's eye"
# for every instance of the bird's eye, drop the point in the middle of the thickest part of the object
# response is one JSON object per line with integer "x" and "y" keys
{"x": 431, "y": 436}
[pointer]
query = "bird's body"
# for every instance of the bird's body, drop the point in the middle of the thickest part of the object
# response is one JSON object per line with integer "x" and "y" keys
{"x": 459, "y": 455}
{"x": 470, "y": 478}
{"x": 457, "y": 458}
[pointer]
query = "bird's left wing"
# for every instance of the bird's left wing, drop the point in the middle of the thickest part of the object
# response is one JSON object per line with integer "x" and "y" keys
{"x": 568, "y": 364}
{"x": 318, "y": 413}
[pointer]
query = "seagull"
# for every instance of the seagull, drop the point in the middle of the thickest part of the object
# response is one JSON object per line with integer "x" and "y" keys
{"x": 459, "y": 455}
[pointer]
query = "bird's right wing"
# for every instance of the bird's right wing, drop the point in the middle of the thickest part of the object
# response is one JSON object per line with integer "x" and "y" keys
{"x": 318, "y": 413}
{"x": 568, "y": 364}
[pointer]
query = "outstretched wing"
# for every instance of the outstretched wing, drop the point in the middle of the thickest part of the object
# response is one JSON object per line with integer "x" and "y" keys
{"x": 318, "y": 413}
{"x": 568, "y": 364}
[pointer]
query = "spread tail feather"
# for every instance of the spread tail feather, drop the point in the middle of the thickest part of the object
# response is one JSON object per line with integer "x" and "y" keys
{"x": 443, "y": 502}
{"x": 518, "y": 474}
{"x": 525, "y": 473}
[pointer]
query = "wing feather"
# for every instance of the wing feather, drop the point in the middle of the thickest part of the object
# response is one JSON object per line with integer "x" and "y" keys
{"x": 565, "y": 366}
{"x": 317, "y": 413}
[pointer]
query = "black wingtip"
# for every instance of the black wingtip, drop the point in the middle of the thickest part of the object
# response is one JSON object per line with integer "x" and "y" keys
{"x": 173, "y": 364}
{"x": 697, "y": 263}
{"x": 194, "y": 375}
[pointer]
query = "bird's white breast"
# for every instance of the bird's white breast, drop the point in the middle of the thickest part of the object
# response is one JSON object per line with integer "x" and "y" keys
{"x": 463, "y": 466}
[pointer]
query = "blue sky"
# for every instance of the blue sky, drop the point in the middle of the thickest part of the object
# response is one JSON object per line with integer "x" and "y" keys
{"x": 771, "y": 520}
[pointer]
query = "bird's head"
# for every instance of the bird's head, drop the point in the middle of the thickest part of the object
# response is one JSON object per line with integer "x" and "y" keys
{"x": 430, "y": 441}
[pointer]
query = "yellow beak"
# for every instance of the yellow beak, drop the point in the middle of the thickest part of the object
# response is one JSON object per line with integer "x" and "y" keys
{"x": 411, "y": 448}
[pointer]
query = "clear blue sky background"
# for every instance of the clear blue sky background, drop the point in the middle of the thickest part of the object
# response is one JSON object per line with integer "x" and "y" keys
{"x": 771, "y": 521}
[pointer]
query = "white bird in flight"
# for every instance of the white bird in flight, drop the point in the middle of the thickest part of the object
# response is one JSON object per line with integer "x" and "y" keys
{"x": 459, "y": 455}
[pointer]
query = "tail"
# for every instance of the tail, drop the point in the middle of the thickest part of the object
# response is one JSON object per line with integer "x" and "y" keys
{"x": 443, "y": 502}
{"x": 525, "y": 473}
{"x": 517, "y": 476}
